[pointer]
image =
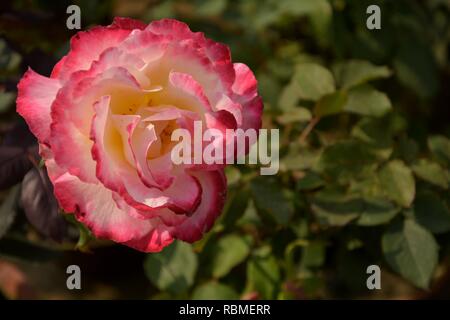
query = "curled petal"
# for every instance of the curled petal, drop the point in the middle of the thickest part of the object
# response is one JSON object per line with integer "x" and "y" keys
{"x": 189, "y": 86}
{"x": 116, "y": 174}
{"x": 72, "y": 112}
{"x": 113, "y": 170}
{"x": 86, "y": 47}
{"x": 101, "y": 214}
{"x": 35, "y": 97}
{"x": 245, "y": 83}
{"x": 225, "y": 103}
{"x": 213, "y": 198}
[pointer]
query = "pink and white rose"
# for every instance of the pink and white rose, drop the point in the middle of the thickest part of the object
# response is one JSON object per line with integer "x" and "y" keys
{"x": 104, "y": 119}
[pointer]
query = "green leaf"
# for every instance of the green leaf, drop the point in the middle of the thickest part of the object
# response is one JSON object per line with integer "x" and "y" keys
{"x": 335, "y": 208}
{"x": 250, "y": 216}
{"x": 431, "y": 212}
{"x": 310, "y": 181}
{"x": 173, "y": 269}
{"x": 313, "y": 81}
{"x": 411, "y": 251}
{"x": 320, "y": 21}
{"x": 271, "y": 198}
{"x": 367, "y": 187}
{"x": 270, "y": 90}
{"x": 299, "y": 158}
{"x": 377, "y": 211}
{"x": 263, "y": 274}
{"x": 313, "y": 255}
{"x": 374, "y": 132}
{"x": 398, "y": 182}
{"x": 356, "y": 72}
{"x": 346, "y": 160}
{"x": 331, "y": 104}
{"x": 214, "y": 291}
{"x": 440, "y": 146}
{"x": 367, "y": 101}
{"x": 238, "y": 202}
{"x": 289, "y": 97}
{"x": 431, "y": 172}
{"x": 298, "y": 114}
{"x": 228, "y": 252}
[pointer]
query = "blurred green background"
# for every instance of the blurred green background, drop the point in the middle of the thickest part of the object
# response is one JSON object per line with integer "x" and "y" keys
{"x": 364, "y": 169}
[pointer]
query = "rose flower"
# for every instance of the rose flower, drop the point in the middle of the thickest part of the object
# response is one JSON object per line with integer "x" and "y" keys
{"x": 104, "y": 120}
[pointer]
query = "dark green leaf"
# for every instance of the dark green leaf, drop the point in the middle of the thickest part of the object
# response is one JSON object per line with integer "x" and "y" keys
{"x": 411, "y": 251}
{"x": 356, "y": 72}
{"x": 335, "y": 208}
{"x": 310, "y": 181}
{"x": 263, "y": 274}
{"x": 376, "y": 212}
{"x": 173, "y": 269}
{"x": 331, "y": 104}
{"x": 431, "y": 212}
{"x": 346, "y": 160}
{"x": 228, "y": 252}
{"x": 238, "y": 202}
{"x": 408, "y": 149}
{"x": 440, "y": 146}
{"x": 373, "y": 132}
{"x": 271, "y": 198}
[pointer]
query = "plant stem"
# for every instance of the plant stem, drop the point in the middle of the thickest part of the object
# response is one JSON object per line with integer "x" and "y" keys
{"x": 308, "y": 129}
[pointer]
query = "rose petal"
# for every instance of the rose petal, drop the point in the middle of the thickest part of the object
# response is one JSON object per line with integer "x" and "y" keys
{"x": 35, "y": 97}
{"x": 245, "y": 83}
{"x": 213, "y": 198}
{"x": 101, "y": 214}
{"x": 127, "y": 23}
{"x": 85, "y": 47}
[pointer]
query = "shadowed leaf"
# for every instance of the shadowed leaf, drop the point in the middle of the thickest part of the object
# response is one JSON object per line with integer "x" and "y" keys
{"x": 40, "y": 205}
